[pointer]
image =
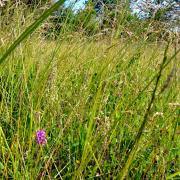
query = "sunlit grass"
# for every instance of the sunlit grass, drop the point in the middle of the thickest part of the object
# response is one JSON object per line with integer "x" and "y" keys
{"x": 86, "y": 93}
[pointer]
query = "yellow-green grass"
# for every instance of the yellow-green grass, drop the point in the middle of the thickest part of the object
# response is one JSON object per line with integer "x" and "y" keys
{"x": 109, "y": 106}
{"x": 84, "y": 94}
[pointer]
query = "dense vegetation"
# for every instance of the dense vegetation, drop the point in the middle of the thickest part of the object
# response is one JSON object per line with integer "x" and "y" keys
{"x": 106, "y": 96}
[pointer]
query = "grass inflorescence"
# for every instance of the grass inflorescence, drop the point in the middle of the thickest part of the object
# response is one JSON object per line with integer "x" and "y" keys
{"x": 88, "y": 107}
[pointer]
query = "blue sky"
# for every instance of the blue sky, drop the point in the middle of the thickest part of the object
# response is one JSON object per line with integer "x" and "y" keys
{"x": 80, "y": 4}
{"x": 76, "y": 6}
{"x": 136, "y": 5}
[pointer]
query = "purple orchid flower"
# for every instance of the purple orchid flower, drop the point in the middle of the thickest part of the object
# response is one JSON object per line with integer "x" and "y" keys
{"x": 41, "y": 137}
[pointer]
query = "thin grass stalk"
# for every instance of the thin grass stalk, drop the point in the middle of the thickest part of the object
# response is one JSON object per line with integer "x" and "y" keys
{"x": 2, "y": 135}
{"x": 149, "y": 83}
{"x": 140, "y": 93}
{"x": 173, "y": 175}
{"x": 86, "y": 149}
{"x": 154, "y": 77}
{"x": 145, "y": 119}
{"x": 29, "y": 30}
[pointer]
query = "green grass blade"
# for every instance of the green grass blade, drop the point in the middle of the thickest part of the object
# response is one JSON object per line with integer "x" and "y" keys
{"x": 174, "y": 175}
{"x": 141, "y": 129}
{"x": 31, "y": 29}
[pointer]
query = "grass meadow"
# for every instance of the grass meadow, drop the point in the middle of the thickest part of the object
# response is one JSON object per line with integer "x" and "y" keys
{"x": 109, "y": 106}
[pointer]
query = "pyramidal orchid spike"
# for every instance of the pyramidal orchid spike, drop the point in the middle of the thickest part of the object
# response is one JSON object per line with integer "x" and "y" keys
{"x": 41, "y": 137}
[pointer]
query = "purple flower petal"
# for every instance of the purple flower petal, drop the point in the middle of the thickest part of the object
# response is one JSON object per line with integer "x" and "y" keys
{"x": 41, "y": 137}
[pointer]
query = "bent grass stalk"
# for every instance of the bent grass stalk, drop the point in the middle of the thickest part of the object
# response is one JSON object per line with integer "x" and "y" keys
{"x": 141, "y": 92}
{"x": 173, "y": 175}
{"x": 56, "y": 162}
{"x": 31, "y": 29}
{"x": 133, "y": 151}
{"x": 87, "y": 146}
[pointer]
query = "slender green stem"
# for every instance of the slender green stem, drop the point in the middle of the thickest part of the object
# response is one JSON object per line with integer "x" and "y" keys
{"x": 31, "y": 29}
{"x": 145, "y": 119}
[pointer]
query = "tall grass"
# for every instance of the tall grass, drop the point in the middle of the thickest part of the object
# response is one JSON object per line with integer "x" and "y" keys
{"x": 100, "y": 102}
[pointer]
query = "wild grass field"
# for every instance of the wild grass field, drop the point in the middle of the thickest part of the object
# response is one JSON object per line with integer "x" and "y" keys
{"x": 109, "y": 107}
